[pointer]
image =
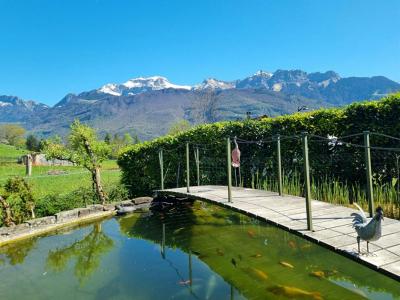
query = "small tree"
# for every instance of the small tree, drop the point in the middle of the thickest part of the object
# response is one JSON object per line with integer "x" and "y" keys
{"x": 32, "y": 143}
{"x": 128, "y": 140}
{"x": 84, "y": 149}
{"x": 13, "y": 134}
{"x": 107, "y": 138}
{"x": 136, "y": 139}
{"x": 179, "y": 126}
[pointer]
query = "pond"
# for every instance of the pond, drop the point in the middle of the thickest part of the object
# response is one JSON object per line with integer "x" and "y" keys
{"x": 190, "y": 251}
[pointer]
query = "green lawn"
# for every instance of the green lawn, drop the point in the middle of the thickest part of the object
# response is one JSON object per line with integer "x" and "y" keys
{"x": 43, "y": 179}
{"x": 7, "y": 151}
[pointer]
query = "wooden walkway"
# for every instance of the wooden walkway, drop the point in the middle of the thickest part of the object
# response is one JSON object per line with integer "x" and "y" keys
{"x": 332, "y": 223}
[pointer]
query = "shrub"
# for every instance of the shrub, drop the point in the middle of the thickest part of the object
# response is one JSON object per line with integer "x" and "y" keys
{"x": 140, "y": 165}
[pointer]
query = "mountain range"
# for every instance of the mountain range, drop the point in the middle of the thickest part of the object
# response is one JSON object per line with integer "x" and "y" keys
{"x": 148, "y": 106}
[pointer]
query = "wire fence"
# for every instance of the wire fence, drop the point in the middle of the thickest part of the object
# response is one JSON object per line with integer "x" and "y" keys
{"x": 338, "y": 167}
{"x": 57, "y": 179}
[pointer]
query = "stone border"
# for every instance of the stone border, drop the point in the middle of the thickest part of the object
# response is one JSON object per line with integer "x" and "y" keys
{"x": 62, "y": 219}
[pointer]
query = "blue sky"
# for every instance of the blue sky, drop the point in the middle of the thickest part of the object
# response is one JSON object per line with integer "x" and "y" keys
{"x": 49, "y": 48}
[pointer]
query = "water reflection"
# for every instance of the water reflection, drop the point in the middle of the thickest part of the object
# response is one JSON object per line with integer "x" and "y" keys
{"x": 256, "y": 258}
{"x": 87, "y": 252}
{"x": 15, "y": 253}
{"x": 190, "y": 251}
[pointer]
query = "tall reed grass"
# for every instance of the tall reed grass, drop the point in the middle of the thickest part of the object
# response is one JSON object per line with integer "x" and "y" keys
{"x": 334, "y": 191}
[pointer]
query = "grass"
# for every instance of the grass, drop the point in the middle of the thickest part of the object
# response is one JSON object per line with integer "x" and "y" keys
{"x": 69, "y": 178}
{"x": 336, "y": 192}
{"x": 10, "y": 152}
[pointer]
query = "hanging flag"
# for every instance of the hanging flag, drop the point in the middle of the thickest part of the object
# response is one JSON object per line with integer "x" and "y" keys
{"x": 236, "y": 156}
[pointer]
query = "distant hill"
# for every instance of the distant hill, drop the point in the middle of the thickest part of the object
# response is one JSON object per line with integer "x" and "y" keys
{"x": 148, "y": 106}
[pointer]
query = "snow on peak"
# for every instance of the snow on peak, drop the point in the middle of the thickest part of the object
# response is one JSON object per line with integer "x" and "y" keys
{"x": 214, "y": 84}
{"x": 2, "y": 104}
{"x": 263, "y": 74}
{"x": 154, "y": 83}
{"x": 139, "y": 85}
{"x": 111, "y": 88}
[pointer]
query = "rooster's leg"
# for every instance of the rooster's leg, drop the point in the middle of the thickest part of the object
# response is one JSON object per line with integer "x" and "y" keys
{"x": 367, "y": 247}
{"x": 358, "y": 242}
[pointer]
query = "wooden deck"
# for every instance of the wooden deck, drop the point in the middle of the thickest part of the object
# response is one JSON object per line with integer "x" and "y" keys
{"x": 332, "y": 223}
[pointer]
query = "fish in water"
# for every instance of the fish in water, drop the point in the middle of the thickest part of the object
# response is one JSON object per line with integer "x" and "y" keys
{"x": 330, "y": 272}
{"x": 240, "y": 257}
{"x": 318, "y": 274}
{"x": 251, "y": 233}
{"x": 233, "y": 261}
{"x": 256, "y": 273}
{"x": 306, "y": 246}
{"x": 294, "y": 293}
{"x": 176, "y": 231}
{"x": 220, "y": 252}
{"x": 185, "y": 282}
{"x": 257, "y": 255}
{"x": 292, "y": 244}
{"x": 286, "y": 264}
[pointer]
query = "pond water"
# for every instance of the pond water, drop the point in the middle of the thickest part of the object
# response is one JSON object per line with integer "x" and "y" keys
{"x": 192, "y": 251}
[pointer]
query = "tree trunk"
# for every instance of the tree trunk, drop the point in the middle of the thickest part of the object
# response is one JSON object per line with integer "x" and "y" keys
{"x": 96, "y": 179}
{"x": 32, "y": 209}
{"x": 99, "y": 188}
{"x": 7, "y": 217}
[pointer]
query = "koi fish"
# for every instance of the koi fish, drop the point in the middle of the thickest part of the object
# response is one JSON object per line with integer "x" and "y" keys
{"x": 240, "y": 257}
{"x": 261, "y": 274}
{"x": 294, "y": 293}
{"x": 257, "y": 255}
{"x": 220, "y": 252}
{"x": 256, "y": 273}
{"x": 306, "y": 246}
{"x": 286, "y": 264}
{"x": 330, "y": 272}
{"x": 292, "y": 244}
{"x": 318, "y": 274}
{"x": 251, "y": 233}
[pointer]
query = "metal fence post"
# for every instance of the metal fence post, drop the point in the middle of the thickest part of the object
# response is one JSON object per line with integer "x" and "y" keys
{"x": 368, "y": 170}
{"x": 279, "y": 163}
{"x": 161, "y": 159}
{"x": 163, "y": 241}
{"x": 229, "y": 168}
{"x": 307, "y": 180}
{"x": 187, "y": 168}
{"x": 198, "y": 165}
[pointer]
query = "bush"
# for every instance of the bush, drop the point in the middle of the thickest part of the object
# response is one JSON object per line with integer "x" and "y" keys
{"x": 140, "y": 165}
{"x": 54, "y": 203}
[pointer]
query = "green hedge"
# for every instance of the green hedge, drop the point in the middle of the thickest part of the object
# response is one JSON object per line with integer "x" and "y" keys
{"x": 140, "y": 165}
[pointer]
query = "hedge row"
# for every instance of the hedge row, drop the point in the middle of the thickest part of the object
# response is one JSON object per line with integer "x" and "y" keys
{"x": 140, "y": 164}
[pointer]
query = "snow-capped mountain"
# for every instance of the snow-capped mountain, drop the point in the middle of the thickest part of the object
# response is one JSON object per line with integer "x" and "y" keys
{"x": 140, "y": 85}
{"x": 148, "y": 105}
{"x": 18, "y": 102}
{"x": 258, "y": 80}
{"x": 14, "y": 109}
{"x": 214, "y": 84}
